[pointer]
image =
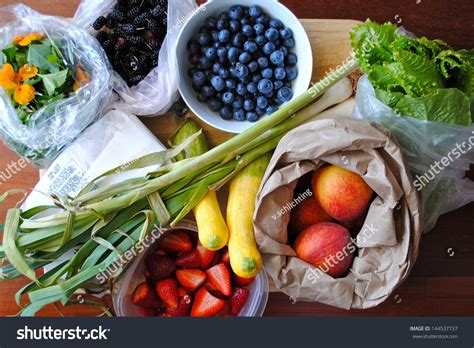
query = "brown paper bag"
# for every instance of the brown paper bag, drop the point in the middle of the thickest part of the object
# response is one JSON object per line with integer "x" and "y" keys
{"x": 388, "y": 242}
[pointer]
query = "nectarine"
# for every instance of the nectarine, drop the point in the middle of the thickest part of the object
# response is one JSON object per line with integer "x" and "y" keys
{"x": 307, "y": 213}
{"x": 327, "y": 246}
{"x": 342, "y": 194}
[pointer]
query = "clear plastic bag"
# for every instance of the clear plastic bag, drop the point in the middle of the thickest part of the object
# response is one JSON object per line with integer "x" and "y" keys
{"x": 56, "y": 125}
{"x": 159, "y": 90}
{"x": 438, "y": 154}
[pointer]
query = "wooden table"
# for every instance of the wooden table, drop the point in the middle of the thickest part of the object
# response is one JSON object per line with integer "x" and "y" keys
{"x": 442, "y": 281}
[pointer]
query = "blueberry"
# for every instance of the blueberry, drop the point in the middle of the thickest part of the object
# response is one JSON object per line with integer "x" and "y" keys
{"x": 192, "y": 71}
{"x": 249, "y": 104}
{"x": 224, "y": 36}
{"x": 228, "y": 98}
{"x": 233, "y": 54}
{"x": 218, "y": 83}
{"x": 265, "y": 86}
{"x": 291, "y": 73}
{"x": 253, "y": 66}
{"x": 234, "y": 26}
{"x": 260, "y": 112}
{"x": 292, "y": 59}
{"x": 238, "y": 103}
{"x": 199, "y": 78}
{"x": 208, "y": 91}
{"x": 216, "y": 67}
{"x": 211, "y": 53}
{"x": 224, "y": 15}
{"x": 214, "y": 35}
{"x": 226, "y": 113}
{"x": 269, "y": 48}
{"x": 252, "y": 87}
{"x": 222, "y": 24}
{"x": 260, "y": 40}
{"x": 238, "y": 40}
{"x": 214, "y": 104}
{"x": 270, "y": 95}
{"x": 255, "y": 11}
{"x": 245, "y": 57}
{"x": 280, "y": 73}
{"x": 241, "y": 71}
{"x": 230, "y": 84}
{"x": 239, "y": 114}
{"x": 193, "y": 47}
{"x": 204, "y": 63}
{"x": 247, "y": 30}
{"x": 204, "y": 39}
{"x": 250, "y": 46}
{"x": 263, "y": 19}
{"x": 262, "y": 102}
{"x": 284, "y": 50}
{"x": 271, "y": 34}
{"x": 256, "y": 78}
{"x": 285, "y": 94}
{"x": 194, "y": 59}
{"x": 267, "y": 73}
{"x": 277, "y": 85}
{"x": 286, "y": 33}
{"x": 245, "y": 21}
{"x": 224, "y": 73}
{"x": 277, "y": 57}
{"x": 241, "y": 89}
{"x": 252, "y": 116}
{"x": 204, "y": 29}
{"x": 290, "y": 43}
{"x": 259, "y": 29}
{"x": 263, "y": 62}
{"x": 276, "y": 23}
{"x": 222, "y": 52}
{"x": 202, "y": 98}
{"x": 271, "y": 109}
{"x": 211, "y": 22}
{"x": 236, "y": 12}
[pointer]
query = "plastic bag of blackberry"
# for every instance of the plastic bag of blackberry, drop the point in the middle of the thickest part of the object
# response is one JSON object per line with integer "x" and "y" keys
{"x": 68, "y": 85}
{"x": 140, "y": 40}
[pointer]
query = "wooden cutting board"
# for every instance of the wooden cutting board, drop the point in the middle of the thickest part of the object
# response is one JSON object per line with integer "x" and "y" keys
{"x": 330, "y": 43}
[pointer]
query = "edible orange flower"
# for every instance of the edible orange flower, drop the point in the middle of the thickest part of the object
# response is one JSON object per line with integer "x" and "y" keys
{"x": 82, "y": 78}
{"x": 12, "y": 82}
{"x": 28, "y": 39}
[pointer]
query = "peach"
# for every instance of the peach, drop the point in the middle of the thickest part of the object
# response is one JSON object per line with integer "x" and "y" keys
{"x": 307, "y": 213}
{"x": 327, "y": 246}
{"x": 342, "y": 194}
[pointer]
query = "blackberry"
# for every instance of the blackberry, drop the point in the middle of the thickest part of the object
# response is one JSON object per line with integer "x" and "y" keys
{"x": 165, "y": 21}
{"x": 154, "y": 58}
{"x": 163, "y": 3}
{"x": 153, "y": 26}
{"x": 129, "y": 29}
{"x": 102, "y": 36}
{"x": 108, "y": 45}
{"x": 153, "y": 44}
{"x": 121, "y": 43}
{"x": 134, "y": 40}
{"x": 134, "y": 80}
{"x": 153, "y": 3}
{"x": 117, "y": 16}
{"x": 140, "y": 21}
{"x": 119, "y": 32}
{"x": 134, "y": 13}
{"x": 158, "y": 12}
{"x": 99, "y": 23}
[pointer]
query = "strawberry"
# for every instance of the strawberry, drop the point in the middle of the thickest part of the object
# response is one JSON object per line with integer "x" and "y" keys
{"x": 191, "y": 278}
{"x": 205, "y": 256}
{"x": 225, "y": 311}
{"x": 206, "y": 305}
{"x": 238, "y": 299}
{"x": 241, "y": 282}
{"x": 144, "y": 296}
{"x": 160, "y": 266}
{"x": 184, "y": 305}
{"x": 189, "y": 260}
{"x": 183, "y": 291}
{"x": 225, "y": 256}
{"x": 176, "y": 242}
{"x": 219, "y": 277}
{"x": 147, "y": 312}
{"x": 210, "y": 287}
{"x": 216, "y": 259}
{"x": 167, "y": 289}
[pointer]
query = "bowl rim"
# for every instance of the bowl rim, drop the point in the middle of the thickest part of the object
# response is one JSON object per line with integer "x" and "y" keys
{"x": 183, "y": 86}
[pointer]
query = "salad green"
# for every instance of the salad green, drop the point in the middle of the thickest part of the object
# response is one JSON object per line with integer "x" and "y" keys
{"x": 417, "y": 77}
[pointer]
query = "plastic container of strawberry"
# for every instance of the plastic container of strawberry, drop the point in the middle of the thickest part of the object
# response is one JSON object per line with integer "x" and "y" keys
{"x": 134, "y": 274}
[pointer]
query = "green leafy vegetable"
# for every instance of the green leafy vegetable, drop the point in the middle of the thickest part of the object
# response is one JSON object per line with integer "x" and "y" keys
{"x": 54, "y": 81}
{"x": 417, "y": 77}
{"x": 10, "y": 52}
{"x": 38, "y": 56}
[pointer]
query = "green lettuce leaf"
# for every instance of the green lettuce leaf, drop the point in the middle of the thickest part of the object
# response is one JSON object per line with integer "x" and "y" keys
{"x": 38, "y": 56}
{"x": 54, "y": 81}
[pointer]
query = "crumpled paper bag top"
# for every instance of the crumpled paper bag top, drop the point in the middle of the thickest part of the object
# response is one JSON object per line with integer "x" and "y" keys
{"x": 387, "y": 243}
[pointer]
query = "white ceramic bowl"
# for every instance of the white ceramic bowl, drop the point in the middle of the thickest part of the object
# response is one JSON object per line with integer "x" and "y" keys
{"x": 212, "y": 8}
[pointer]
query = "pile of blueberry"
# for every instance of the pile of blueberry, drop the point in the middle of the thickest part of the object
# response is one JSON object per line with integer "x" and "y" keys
{"x": 242, "y": 62}
{"x": 132, "y": 35}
